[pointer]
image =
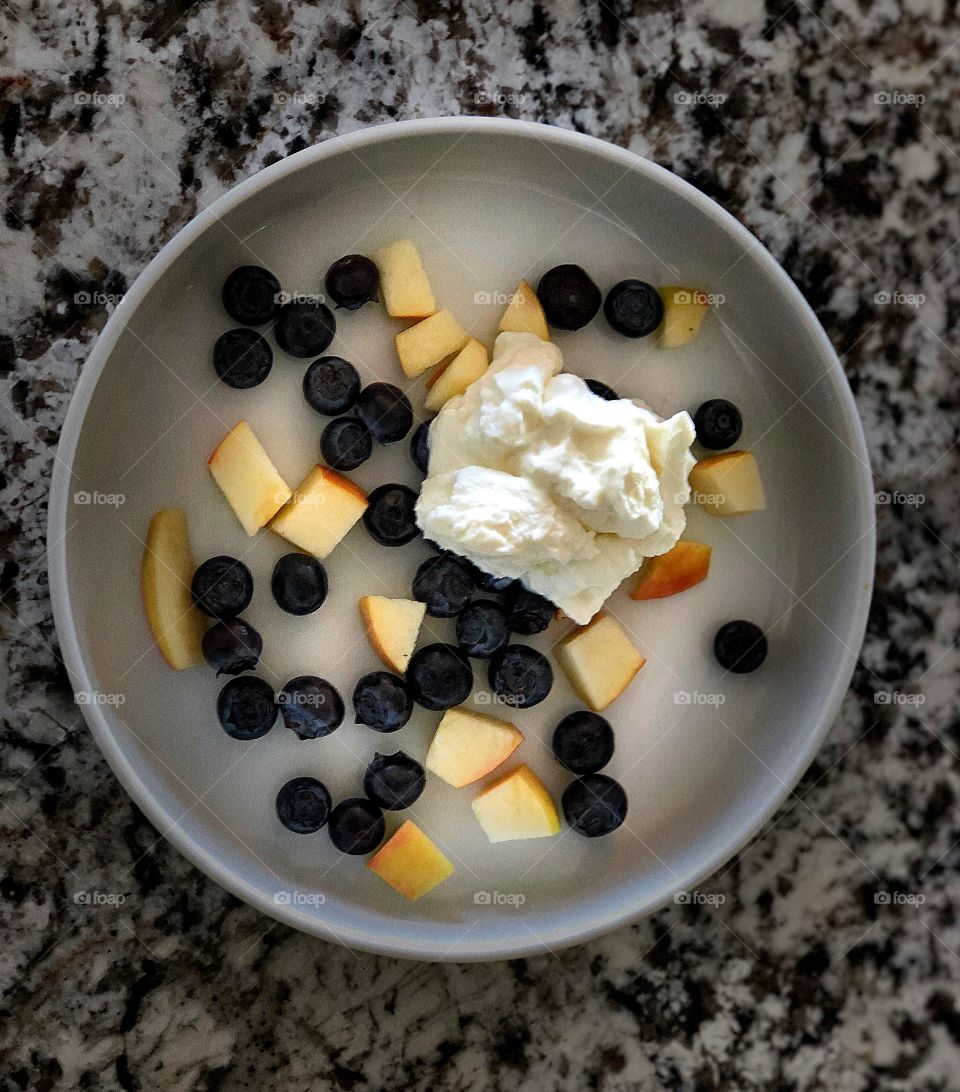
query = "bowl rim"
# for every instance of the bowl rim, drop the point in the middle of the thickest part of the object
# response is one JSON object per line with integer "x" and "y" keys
{"x": 520, "y": 943}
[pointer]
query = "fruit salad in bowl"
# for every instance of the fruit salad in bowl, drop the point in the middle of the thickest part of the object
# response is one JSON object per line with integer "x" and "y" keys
{"x": 543, "y": 491}
{"x": 485, "y": 572}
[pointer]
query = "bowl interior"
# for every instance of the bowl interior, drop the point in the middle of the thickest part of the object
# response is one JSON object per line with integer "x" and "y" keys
{"x": 704, "y": 756}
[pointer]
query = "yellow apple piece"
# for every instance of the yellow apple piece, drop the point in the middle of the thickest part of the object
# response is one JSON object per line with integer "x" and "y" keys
{"x": 517, "y": 805}
{"x": 600, "y": 661}
{"x": 403, "y": 282}
{"x": 469, "y": 364}
{"x": 248, "y": 479}
{"x": 410, "y": 862}
{"x": 323, "y": 508}
{"x": 467, "y": 746}
{"x": 420, "y": 347}
{"x": 392, "y": 627}
{"x": 176, "y": 624}
{"x": 683, "y": 311}
{"x": 728, "y": 484}
{"x": 668, "y": 574}
{"x": 524, "y": 315}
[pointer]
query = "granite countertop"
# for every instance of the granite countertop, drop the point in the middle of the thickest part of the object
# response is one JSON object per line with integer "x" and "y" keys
{"x": 831, "y": 131}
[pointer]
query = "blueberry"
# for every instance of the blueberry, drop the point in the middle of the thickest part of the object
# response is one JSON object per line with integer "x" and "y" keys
{"x": 569, "y": 298}
{"x": 444, "y": 584}
{"x": 303, "y": 805}
{"x": 394, "y": 781}
{"x": 740, "y": 646}
{"x": 482, "y": 628}
{"x": 346, "y": 443}
{"x": 304, "y": 327}
{"x": 386, "y": 411}
{"x": 633, "y": 308}
{"x": 310, "y": 707}
{"x": 389, "y": 515}
{"x": 528, "y": 612}
{"x": 439, "y": 676}
{"x": 382, "y": 701}
{"x": 242, "y": 358}
{"x": 594, "y": 805}
{"x": 583, "y": 742}
{"x": 520, "y": 675}
{"x": 357, "y": 826}
{"x": 601, "y": 390}
{"x": 299, "y": 583}
{"x": 420, "y": 446}
{"x": 718, "y": 424}
{"x": 251, "y": 295}
{"x": 222, "y": 587}
{"x": 352, "y": 281}
{"x": 232, "y": 646}
{"x": 489, "y": 582}
{"x": 331, "y": 385}
{"x": 246, "y": 708}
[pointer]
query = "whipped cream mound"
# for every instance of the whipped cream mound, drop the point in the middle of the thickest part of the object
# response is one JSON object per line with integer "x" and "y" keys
{"x": 533, "y": 476}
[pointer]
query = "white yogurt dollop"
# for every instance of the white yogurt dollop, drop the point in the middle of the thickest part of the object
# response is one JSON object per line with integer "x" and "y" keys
{"x": 532, "y": 476}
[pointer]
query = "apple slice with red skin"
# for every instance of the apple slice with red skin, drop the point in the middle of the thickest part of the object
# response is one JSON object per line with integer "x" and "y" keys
{"x": 675, "y": 571}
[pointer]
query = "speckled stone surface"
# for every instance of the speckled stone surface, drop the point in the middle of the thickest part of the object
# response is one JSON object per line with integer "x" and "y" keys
{"x": 829, "y": 958}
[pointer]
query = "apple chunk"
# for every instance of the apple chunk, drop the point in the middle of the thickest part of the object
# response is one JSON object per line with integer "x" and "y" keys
{"x": 248, "y": 479}
{"x": 678, "y": 569}
{"x": 517, "y": 805}
{"x": 467, "y": 746}
{"x": 683, "y": 311}
{"x": 469, "y": 364}
{"x": 420, "y": 347}
{"x": 403, "y": 282}
{"x": 410, "y": 862}
{"x": 728, "y": 484}
{"x": 524, "y": 315}
{"x": 323, "y": 508}
{"x": 392, "y": 627}
{"x": 175, "y": 622}
{"x": 600, "y": 661}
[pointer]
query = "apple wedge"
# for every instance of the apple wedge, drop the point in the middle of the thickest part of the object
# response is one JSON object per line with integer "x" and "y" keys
{"x": 323, "y": 508}
{"x": 517, "y": 805}
{"x": 683, "y": 311}
{"x": 524, "y": 315}
{"x": 410, "y": 862}
{"x": 673, "y": 572}
{"x": 247, "y": 478}
{"x": 467, "y": 746}
{"x": 176, "y": 624}
{"x": 600, "y": 661}
{"x": 420, "y": 347}
{"x": 469, "y": 364}
{"x": 392, "y": 627}
{"x": 728, "y": 484}
{"x": 406, "y": 290}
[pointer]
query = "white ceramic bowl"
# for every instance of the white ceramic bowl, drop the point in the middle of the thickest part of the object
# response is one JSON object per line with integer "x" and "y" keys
{"x": 487, "y": 202}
